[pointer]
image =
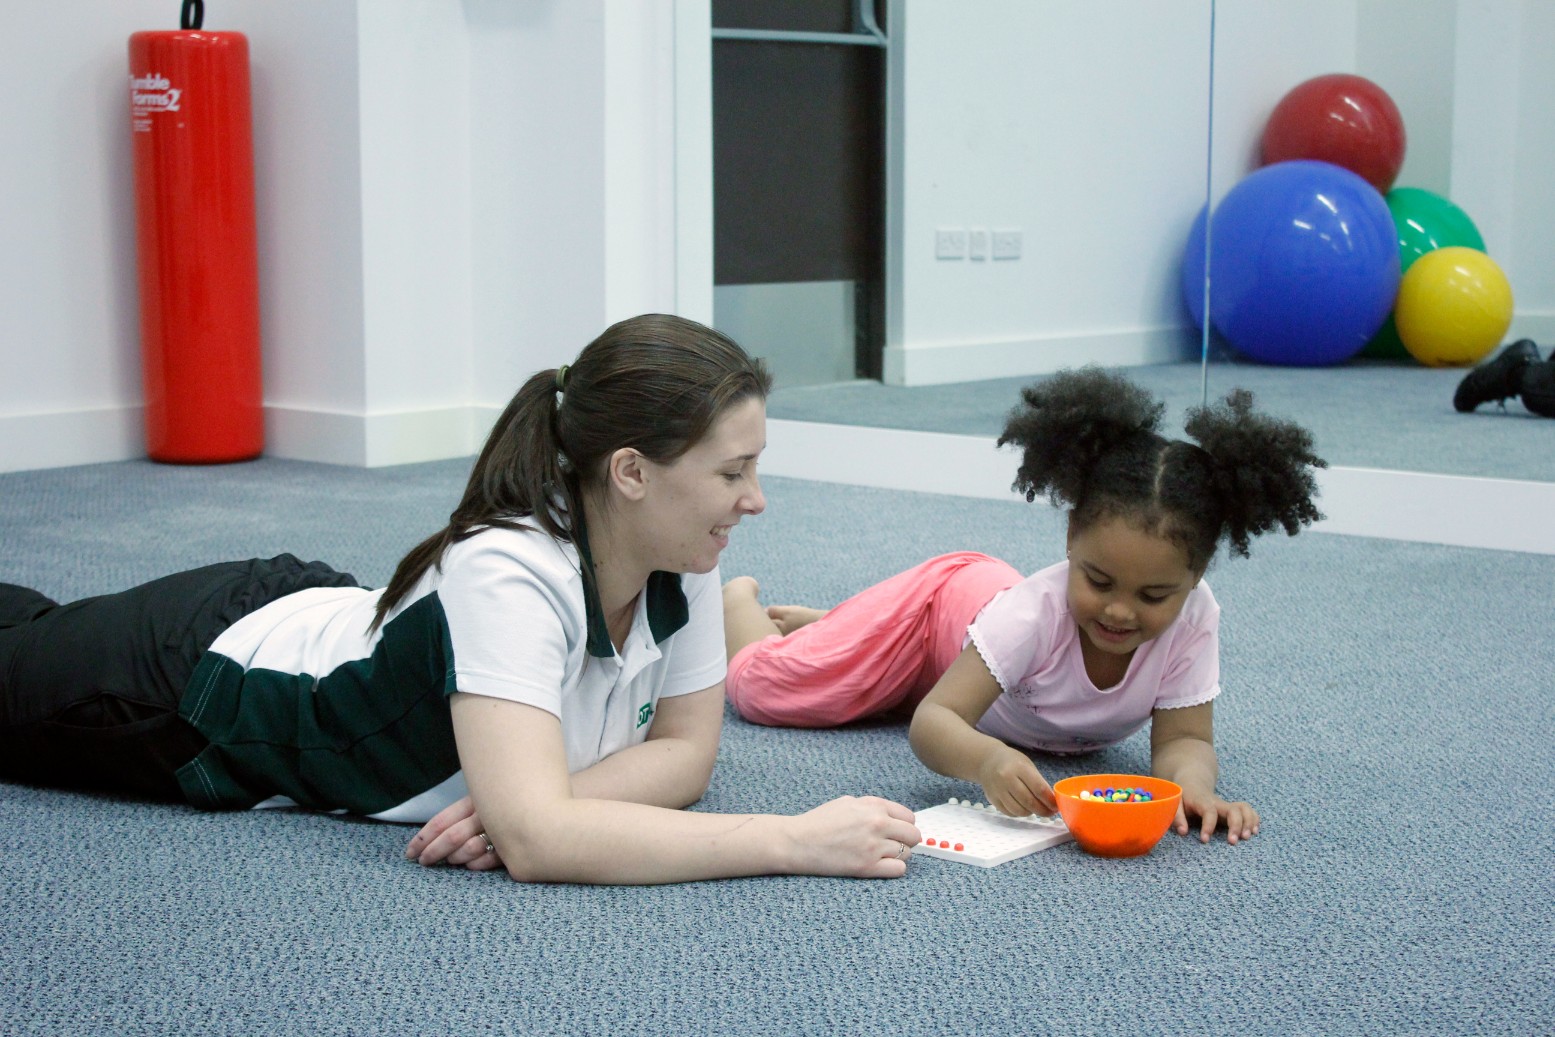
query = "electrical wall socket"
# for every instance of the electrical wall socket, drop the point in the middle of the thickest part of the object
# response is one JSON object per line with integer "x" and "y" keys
{"x": 949, "y": 243}
{"x": 977, "y": 242}
{"x": 1006, "y": 243}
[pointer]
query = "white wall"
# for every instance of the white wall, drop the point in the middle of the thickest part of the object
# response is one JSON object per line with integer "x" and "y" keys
{"x": 449, "y": 196}
{"x": 69, "y": 338}
{"x": 1408, "y": 47}
{"x": 415, "y": 89}
{"x": 1504, "y": 147}
{"x": 1083, "y": 125}
{"x": 1529, "y": 250}
{"x": 591, "y": 173}
{"x": 1262, "y": 50}
{"x": 306, "y": 63}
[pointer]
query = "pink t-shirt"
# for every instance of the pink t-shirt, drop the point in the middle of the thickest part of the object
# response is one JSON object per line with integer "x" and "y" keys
{"x": 1031, "y": 644}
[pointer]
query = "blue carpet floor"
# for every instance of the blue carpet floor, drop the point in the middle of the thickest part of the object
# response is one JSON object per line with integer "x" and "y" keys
{"x": 1388, "y": 707}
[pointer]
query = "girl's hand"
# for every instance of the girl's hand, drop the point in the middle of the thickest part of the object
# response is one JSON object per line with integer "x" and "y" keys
{"x": 1013, "y": 784}
{"x": 865, "y": 838}
{"x": 454, "y": 836}
{"x": 1241, "y": 819}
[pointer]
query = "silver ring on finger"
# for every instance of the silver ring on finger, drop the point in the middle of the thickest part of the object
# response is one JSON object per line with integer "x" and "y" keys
{"x": 901, "y": 854}
{"x": 487, "y": 840}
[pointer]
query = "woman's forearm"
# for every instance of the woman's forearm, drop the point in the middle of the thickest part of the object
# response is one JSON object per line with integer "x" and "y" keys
{"x": 602, "y": 841}
{"x": 544, "y": 831}
{"x": 662, "y": 772}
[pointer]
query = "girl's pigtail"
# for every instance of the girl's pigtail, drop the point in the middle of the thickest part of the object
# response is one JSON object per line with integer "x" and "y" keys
{"x": 1262, "y": 468}
{"x": 1066, "y": 423}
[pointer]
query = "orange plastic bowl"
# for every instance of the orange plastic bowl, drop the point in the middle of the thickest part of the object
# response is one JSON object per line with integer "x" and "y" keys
{"x": 1117, "y": 829}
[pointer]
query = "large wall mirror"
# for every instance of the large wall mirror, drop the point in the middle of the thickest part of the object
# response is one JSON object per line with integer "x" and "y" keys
{"x": 1100, "y": 138}
{"x": 1471, "y": 83}
{"x": 1042, "y": 167}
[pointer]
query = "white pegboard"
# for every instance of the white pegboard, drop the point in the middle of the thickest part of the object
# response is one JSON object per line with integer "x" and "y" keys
{"x": 985, "y": 836}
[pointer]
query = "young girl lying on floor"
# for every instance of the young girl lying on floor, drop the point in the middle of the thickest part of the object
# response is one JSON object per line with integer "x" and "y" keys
{"x": 1079, "y": 655}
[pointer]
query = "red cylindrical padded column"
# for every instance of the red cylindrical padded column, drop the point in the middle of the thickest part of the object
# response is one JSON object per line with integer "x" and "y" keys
{"x": 199, "y": 270}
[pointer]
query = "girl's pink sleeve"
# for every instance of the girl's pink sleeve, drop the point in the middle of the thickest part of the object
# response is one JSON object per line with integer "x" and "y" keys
{"x": 1013, "y": 633}
{"x": 1192, "y": 675}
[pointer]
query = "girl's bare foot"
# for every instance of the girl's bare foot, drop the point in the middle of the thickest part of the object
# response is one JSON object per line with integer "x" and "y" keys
{"x": 791, "y": 617}
{"x": 745, "y": 621}
{"x": 742, "y": 587}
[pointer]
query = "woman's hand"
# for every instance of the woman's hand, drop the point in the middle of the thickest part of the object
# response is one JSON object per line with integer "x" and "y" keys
{"x": 865, "y": 838}
{"x": 1013, "y": 784}
{"x": 454, "y": 836}
{"x": 515, "y": 764}
{"x": 1241, "y": 819}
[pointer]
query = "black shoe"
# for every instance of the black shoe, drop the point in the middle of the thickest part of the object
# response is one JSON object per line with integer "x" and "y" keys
{"x": 1538, "y": 389}
{"x": 1496, "y": 379}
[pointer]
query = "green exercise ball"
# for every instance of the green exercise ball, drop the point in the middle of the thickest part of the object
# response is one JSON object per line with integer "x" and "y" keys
{"x": 1425, "y": 221}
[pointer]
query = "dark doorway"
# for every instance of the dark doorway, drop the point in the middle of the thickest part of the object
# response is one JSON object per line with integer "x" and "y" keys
{"x": 798, "y": 184}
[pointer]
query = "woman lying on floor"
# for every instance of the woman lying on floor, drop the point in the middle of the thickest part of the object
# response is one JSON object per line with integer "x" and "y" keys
{"x": 553, "y": 657}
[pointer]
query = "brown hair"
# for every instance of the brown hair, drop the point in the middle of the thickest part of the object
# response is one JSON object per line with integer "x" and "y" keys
{"x": 655, "y": 383}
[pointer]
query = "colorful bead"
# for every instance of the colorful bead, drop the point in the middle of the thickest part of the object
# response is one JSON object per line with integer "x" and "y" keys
{"x": 1123, "y": 795}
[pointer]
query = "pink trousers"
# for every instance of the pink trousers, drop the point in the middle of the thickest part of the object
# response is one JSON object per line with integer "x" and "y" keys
{"x": 879, "y": 651}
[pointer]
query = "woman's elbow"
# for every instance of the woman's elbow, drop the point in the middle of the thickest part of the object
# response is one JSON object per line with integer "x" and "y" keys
{"x": 521, "y": 869}
{"x": 698, "y": 780}
{"x": 535, "y": 846}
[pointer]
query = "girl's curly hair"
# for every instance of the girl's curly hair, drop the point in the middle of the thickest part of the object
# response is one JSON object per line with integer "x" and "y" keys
{"x": 1090, "y": 443}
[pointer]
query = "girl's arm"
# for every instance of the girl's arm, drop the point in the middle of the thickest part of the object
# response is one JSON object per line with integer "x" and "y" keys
{"x": 944, "y": 735}
{"x": 1182, "y": 749}
{"x": 516, "y": 768}
{"x": 671, "y": 769}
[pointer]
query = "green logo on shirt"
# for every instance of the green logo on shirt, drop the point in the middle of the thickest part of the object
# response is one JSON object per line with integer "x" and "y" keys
{"x": 645, "y": 714}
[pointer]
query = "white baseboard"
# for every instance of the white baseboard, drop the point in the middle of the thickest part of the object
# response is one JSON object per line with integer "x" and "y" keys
{"x": 1498, "y": 514}
{"x": 64, "y": 438}
{"x": 328, "y": 437}
{"x": 943, "y": 363}
{"x": 59, "y": 440}
{"x": 1466, "y": 511}
{"x": 376, "y": 440}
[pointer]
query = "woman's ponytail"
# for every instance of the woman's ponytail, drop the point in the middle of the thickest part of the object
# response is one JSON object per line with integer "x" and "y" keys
{"x": 519, "y": 473}
{"x": 655, "y": 383}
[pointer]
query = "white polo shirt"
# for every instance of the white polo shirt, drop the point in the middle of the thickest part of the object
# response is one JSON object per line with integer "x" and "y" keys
{"x": 304, "y": 707}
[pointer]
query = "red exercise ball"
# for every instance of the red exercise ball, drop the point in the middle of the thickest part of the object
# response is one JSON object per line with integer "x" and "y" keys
{"x": 1340, "y": 118}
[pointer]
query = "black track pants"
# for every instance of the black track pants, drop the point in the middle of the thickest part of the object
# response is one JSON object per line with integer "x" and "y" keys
{"x": 89, "y": 691}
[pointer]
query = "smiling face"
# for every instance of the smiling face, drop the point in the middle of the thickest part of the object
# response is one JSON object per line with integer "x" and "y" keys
{"x": 691, "y": 504}
{"x": 1125, "y": 586}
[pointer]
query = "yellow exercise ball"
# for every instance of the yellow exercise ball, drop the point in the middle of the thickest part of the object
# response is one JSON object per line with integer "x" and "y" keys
{"x": 1454, "y": 306}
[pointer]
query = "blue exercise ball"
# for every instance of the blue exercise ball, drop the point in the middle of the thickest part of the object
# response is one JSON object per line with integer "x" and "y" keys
{"x": 1305, "y": 265}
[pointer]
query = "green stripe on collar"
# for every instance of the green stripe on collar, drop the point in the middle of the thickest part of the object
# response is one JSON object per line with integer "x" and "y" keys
{"x": 667, "y": 607}
{"x": 599, "y": 645}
